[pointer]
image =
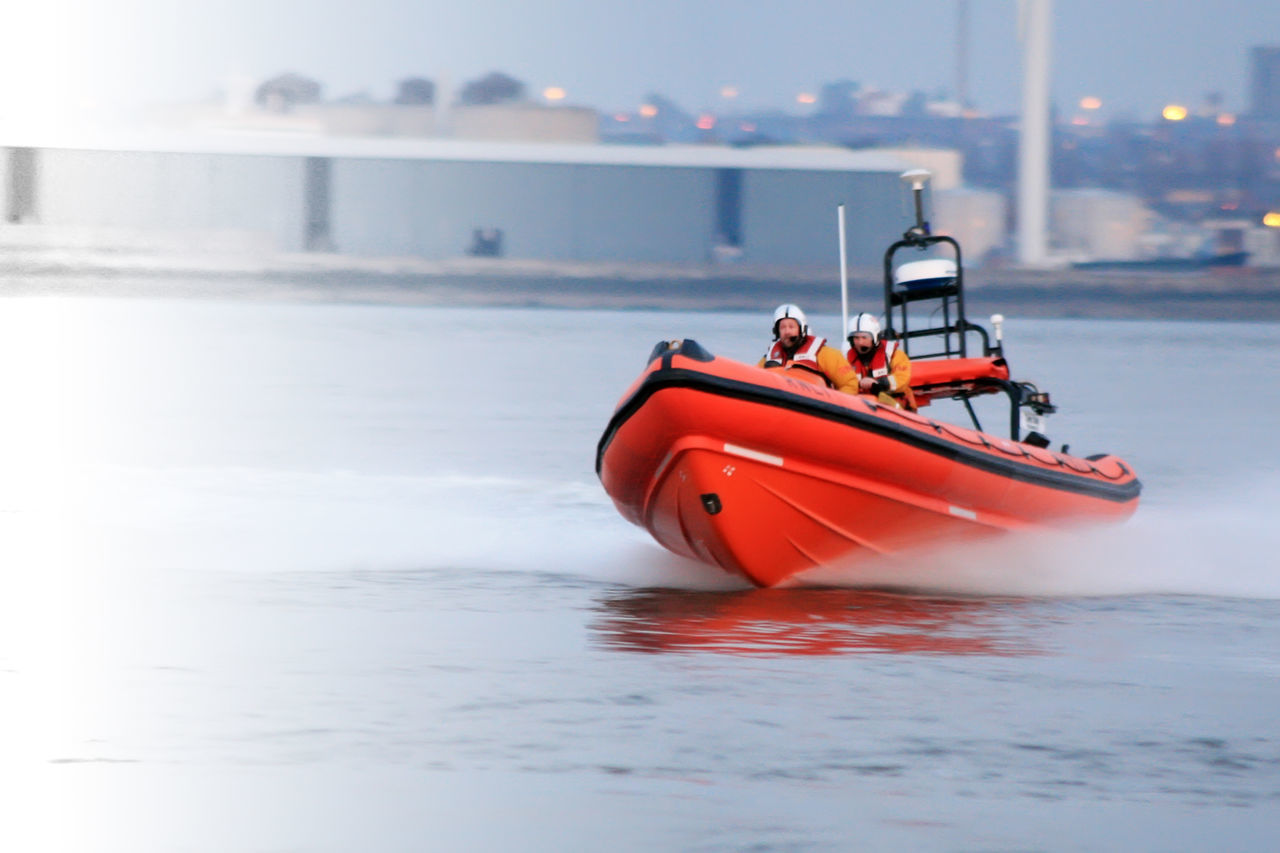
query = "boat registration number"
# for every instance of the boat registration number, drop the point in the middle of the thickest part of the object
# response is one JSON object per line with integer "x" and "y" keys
{"x": 1032, "y": 422}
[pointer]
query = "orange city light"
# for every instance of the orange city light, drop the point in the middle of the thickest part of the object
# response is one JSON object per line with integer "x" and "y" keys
{"x": 553, "y": 93}
{"x": 706, "y": 121}
{"x": 1272, "y": 219}
{"x": 648, "y": 110}
{"x": 807, "y": 98}
{"x": 1090, "y": 103}
{"x": 1226, "y": 119}
{"x": 1174, "y": 112}
{"x": 729, "y": 92}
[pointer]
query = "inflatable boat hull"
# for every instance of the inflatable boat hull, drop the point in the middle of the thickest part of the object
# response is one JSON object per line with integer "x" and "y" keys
{"x": 767, "y": 477}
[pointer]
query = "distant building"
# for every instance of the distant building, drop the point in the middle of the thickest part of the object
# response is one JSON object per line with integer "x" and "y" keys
{"x": 525, "y": 122}
{"x": 1087, "y": 225}
{"x": 516, "y": 121}
{"x": 978, "y": 219}
{"x": 431, "y": 198}
{"x": 1264, "y": 82}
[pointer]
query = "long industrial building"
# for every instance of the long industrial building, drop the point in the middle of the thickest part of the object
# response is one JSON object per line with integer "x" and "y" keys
{"x": 440, "y": 199}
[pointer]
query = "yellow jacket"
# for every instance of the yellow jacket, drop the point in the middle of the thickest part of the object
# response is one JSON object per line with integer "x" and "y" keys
{"x": 813, "y": 360}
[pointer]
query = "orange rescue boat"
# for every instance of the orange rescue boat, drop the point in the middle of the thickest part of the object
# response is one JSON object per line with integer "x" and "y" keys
{"x": 767, "y": 476}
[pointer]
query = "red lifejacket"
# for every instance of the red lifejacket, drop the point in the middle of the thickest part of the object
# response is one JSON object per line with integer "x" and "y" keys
{"x": 805, "y": 357}
{"x": 881, "y": 367}
{"x": 880, "y": 363}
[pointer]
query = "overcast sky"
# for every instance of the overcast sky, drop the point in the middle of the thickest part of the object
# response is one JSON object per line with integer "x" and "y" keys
{"x": 1136, "y": 55}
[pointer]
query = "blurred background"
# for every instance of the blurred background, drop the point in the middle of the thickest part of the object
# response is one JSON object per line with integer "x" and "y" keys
{"x": 716, "y": 133}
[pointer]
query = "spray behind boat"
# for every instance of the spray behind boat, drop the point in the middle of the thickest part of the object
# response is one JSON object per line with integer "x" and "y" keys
{"x": 936, "y": 284}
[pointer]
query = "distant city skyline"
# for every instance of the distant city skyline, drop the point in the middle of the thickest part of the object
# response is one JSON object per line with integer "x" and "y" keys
{"x": 62, "y": 60}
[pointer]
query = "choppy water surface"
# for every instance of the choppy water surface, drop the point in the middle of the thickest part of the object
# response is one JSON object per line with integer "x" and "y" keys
{"x": 314, "y": 577}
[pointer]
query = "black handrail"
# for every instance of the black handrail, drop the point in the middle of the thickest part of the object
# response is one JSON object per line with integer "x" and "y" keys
{"x": 953, "y": 332}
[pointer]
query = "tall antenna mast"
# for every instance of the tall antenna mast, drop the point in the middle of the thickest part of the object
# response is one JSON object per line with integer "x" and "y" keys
{"x": 962, "y": 54}
{"x": 1033, "y": 146}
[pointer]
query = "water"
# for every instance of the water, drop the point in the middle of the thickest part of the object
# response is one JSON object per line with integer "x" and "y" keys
{"x": 322, "y": 577}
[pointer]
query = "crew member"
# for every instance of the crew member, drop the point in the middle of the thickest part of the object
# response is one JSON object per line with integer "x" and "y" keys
{"x": 805, "y": 356}
{"x": 882, "y": 368}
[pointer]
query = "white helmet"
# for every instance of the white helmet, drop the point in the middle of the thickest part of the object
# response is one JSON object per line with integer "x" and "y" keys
{"x": 865, "y": 323}
{"x": 792, "y": 311}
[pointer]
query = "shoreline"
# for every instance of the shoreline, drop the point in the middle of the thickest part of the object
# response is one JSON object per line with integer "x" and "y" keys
{"x": 1240, "y": 293}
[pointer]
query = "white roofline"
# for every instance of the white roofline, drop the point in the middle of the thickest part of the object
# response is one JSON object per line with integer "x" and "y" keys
{"x": 297, "y": 144}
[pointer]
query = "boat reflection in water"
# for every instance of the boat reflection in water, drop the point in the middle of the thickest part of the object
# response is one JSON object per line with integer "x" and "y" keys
{"x": 804, "y": 622}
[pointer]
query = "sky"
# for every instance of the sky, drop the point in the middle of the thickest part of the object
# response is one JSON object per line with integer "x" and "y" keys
{"x": 66, "y": 59}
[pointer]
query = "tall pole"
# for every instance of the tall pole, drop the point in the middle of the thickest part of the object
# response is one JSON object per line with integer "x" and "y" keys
{"x": 962, "y": 55}
{"x": 1033, "y": 147}
{"x": 844, "y": 273}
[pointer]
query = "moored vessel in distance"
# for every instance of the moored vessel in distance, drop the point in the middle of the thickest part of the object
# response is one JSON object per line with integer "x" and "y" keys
{"x": 768, "y": 477}
{"x": 1195, "y": 262}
